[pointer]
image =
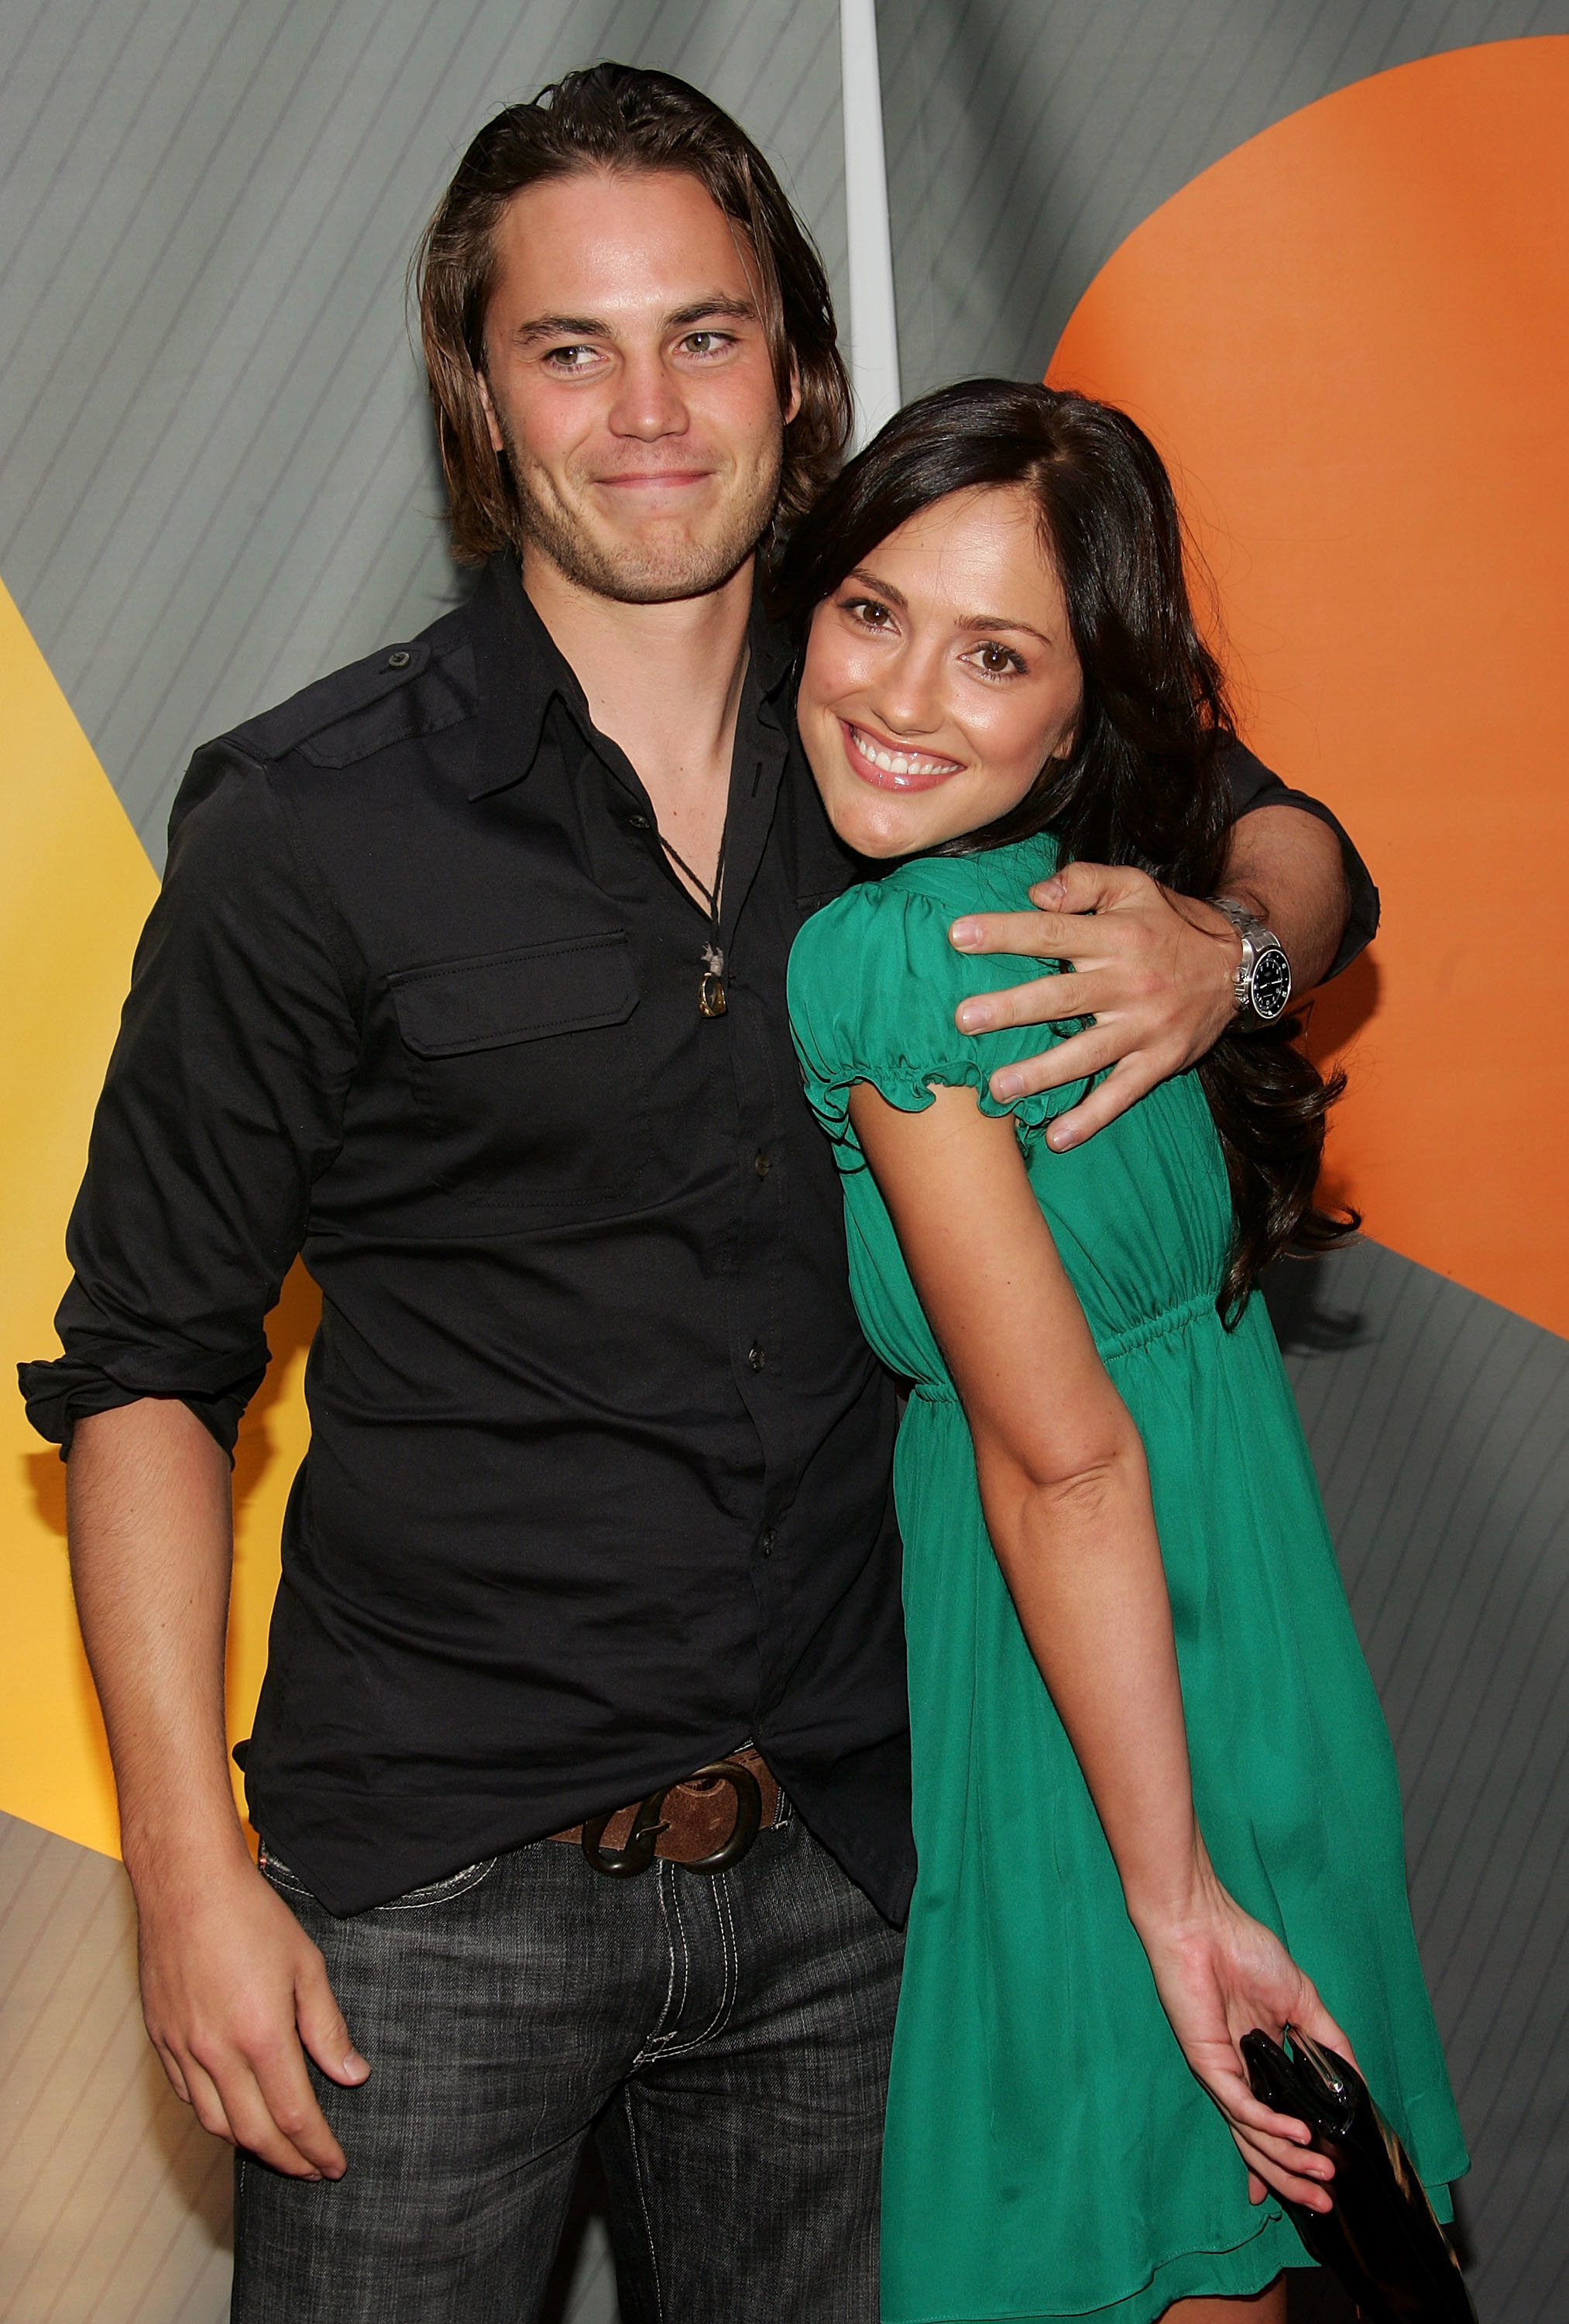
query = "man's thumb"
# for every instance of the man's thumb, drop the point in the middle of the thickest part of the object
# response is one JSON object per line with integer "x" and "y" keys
{"x": 324, "y": 2032}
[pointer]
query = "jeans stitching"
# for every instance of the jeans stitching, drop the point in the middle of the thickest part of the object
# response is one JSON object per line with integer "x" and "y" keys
{"x": 413, "y": 1900}
{"x": 729, "y": 1983}
{"x": 637, "y": 2152}
{"x": 441, "y": 1892}
{"x": 653, "y": 2046}
{"x": 279, "y": 1874}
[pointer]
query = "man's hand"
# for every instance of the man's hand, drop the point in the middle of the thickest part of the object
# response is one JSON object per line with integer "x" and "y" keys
{"x": 231, "y": 1988}
{"x": 1156, "y": 972}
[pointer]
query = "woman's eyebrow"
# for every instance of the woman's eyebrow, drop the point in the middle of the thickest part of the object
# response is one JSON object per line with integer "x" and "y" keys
{"x": 884, "y": 588}
{"x": 1001, "y": 622}
{"x": 965, "y": 621}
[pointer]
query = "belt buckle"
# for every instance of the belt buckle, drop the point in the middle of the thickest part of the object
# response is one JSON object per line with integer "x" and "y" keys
{"x": 638, "y": 1855}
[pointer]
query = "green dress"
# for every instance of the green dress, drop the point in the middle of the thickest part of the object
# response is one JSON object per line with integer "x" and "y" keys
{"x": 1048, "y": 2152}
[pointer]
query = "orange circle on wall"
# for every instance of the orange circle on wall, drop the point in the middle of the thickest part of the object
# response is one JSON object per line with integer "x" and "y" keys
{"x": 1349, "y": 338}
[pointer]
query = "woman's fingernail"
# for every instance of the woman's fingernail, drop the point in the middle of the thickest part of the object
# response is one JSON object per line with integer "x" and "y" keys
{"x": 1060, "y": 1140}
{"x": 964, "y": 934}
{"x": 972, "y": 1017}
{"x": 1007, "y": 1086}
{"x": 1047, "y": 893}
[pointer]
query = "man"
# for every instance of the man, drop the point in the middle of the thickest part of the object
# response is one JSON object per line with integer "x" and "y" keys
{"x": 468, "y": 981}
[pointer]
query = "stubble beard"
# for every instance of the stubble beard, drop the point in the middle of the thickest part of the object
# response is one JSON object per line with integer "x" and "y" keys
{"x": 645, "y": 572}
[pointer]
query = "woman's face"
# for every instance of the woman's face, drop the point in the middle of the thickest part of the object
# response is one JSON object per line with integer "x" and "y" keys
{"x": 939, "y": 677}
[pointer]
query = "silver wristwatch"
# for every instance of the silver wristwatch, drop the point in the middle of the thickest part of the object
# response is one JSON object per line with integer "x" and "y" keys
{"x": 1263, "y": 974}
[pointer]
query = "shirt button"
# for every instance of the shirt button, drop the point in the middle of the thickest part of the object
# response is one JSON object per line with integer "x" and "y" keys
{"x": 762, "y": 1164}
{"x": 765, "y": 1541}
{"x": 636, "y": 823}
{"x": 399, "y": 660}
{"x": 755, "y": 1357}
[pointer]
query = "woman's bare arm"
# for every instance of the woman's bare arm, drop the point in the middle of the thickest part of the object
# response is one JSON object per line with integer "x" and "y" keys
{"x": 1066, "y": 1495}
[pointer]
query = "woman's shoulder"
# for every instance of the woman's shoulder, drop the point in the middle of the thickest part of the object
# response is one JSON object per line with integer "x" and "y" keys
{"x": 989, "y": 879}
{"x": 907, "y": 912}
{"x": 876, "y": 938}
{"x": 875, "y": 983}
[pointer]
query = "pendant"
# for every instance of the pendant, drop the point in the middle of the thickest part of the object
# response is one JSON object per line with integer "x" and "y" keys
{"x": 710, "y": 992}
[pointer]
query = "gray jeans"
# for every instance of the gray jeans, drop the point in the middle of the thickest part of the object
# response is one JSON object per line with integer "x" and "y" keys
{"x": 724, "y": 2040}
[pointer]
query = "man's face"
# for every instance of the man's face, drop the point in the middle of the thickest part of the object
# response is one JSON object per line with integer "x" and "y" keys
{"x": 628, "y": 383}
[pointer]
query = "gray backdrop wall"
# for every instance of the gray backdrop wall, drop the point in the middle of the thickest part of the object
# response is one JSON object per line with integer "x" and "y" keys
{"x": 215, "y": 482}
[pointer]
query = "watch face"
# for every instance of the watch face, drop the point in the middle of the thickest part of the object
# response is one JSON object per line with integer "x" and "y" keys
{"x": 1271, "y": 986}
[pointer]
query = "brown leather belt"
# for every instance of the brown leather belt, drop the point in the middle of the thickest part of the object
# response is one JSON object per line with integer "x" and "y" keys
{"x": 705, "y": 1823}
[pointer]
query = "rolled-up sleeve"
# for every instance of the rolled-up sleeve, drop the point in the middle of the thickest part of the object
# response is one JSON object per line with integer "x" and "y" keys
{"x": 1253, "y": 786}
{"x": 224, "y": 1102}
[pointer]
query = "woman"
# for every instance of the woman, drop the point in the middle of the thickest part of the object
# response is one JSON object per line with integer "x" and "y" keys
{"x": 1102, "y": 1483}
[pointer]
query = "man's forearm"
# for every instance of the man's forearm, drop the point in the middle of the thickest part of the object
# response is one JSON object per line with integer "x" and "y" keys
{"x": 1286, "y": 868}
{"x": 152, "y": 1548}
{"x": 231, "y": 1985}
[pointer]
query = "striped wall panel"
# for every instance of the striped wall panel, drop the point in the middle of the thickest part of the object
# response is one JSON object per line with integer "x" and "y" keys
{"x": 215, "y": 482}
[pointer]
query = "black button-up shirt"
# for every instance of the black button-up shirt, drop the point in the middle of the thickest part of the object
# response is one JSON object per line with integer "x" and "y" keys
{"x": 598, "y": 1484}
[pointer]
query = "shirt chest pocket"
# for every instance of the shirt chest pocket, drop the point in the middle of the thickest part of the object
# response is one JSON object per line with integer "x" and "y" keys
{"x": 525, "y": 1070}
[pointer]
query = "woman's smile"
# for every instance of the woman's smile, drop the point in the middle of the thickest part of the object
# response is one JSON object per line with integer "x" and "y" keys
{"x": 892, "y": 766}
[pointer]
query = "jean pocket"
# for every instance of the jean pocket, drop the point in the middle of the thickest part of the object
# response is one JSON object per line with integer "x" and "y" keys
{"x": 279, "y": 1873}
{"x": 440, "y": 1891}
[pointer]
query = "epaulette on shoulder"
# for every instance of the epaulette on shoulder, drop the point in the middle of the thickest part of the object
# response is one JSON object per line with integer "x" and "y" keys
{"x": 331, "y": 701}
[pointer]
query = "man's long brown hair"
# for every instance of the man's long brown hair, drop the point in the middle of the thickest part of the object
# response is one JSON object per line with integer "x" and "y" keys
{"x": 617, "y": 117}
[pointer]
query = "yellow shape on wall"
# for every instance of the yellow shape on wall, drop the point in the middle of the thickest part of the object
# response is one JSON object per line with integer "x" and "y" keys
{"x": 75, "y": 888}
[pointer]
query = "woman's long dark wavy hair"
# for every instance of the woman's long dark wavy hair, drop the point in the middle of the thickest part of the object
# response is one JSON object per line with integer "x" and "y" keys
{"x": 1146, "y": 782}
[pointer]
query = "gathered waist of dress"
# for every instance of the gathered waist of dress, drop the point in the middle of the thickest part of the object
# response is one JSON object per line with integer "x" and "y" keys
{"x": 1164, "y": 1326}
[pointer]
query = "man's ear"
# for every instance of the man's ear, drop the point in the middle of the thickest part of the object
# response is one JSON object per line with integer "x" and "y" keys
{"x": 794, "y": 404}
{"x": 498, "y": 441}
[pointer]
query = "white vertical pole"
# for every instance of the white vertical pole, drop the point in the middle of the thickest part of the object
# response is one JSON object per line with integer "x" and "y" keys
{"x": 874, "y": 332}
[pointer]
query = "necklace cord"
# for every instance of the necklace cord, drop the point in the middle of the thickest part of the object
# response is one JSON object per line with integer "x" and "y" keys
{"x": 711, "y": 896}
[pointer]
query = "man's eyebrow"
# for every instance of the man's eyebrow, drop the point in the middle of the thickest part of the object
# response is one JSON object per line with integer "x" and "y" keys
{"x": 736, "y": 311}
{"x": 563, "y": 327}
{"x": 594, "y": 326}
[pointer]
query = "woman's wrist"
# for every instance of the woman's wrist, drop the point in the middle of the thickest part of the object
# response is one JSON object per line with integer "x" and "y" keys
{"x": 1167, "y": 1908}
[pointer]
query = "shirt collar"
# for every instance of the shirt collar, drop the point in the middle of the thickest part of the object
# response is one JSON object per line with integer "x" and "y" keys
{"x": 521, "y": 671}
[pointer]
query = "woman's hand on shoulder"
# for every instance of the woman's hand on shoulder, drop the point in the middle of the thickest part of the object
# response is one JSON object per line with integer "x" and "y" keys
{"x": 1220, "y": 1973}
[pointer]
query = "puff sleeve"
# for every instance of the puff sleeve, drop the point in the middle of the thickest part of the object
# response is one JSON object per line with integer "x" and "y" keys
{"x": 874, "y": 984}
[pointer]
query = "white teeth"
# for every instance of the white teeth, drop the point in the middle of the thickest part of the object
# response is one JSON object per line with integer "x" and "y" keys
{"x": 902, "y": 762}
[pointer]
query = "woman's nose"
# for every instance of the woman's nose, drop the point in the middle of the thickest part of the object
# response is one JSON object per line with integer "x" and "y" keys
{"x": 907, "y": 696}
